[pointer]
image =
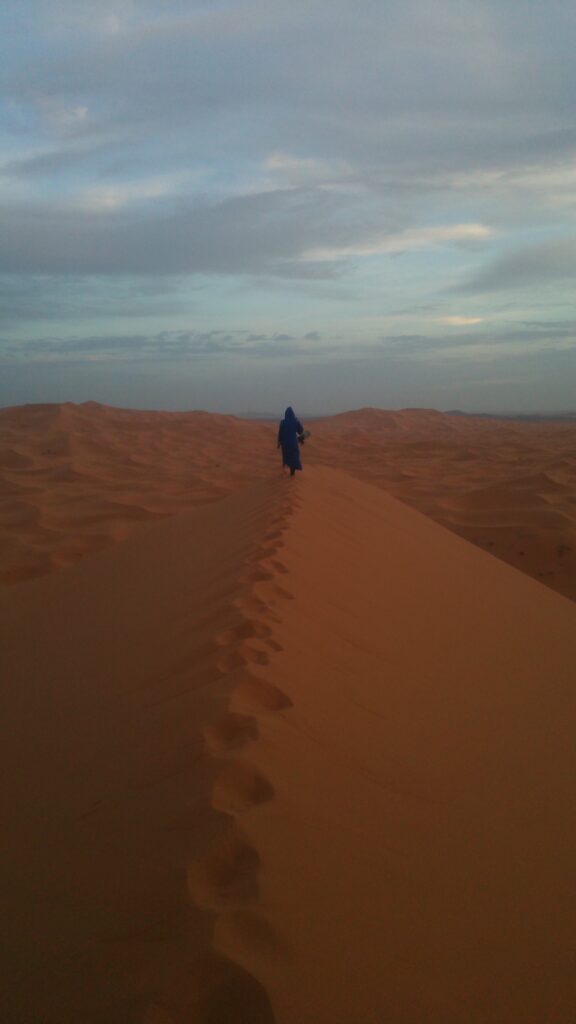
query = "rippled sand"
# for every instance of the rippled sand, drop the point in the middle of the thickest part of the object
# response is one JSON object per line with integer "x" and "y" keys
{"x": 291, "y": 753}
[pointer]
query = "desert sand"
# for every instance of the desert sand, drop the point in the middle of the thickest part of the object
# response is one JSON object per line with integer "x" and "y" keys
{"x": 76, "y": 478}
{"x": 508, "y": 486}
{"x": 282, "y": 751}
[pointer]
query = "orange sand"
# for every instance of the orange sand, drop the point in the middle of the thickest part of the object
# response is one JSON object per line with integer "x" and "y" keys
{"x": 508, "y": 486}
{"x": 299, "y": 755}
{"x": 76, "y": 478}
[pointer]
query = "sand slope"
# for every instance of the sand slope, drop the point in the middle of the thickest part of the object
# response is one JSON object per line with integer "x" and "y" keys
{"x": 76, "y": 478}
{"x": 508, "y": 486}
{"x": 298, "y": 756}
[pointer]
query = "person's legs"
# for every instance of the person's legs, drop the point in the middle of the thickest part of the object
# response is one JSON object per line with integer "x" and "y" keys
{"x": 292, "y": 471}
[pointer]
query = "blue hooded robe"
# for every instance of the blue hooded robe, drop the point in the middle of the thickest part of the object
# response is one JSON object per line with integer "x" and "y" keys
{"x": 288, "y": 432}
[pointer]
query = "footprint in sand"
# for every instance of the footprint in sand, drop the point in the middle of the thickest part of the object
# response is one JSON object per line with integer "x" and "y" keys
{"x": 240, "y": 657}
{"x": 254, "y": 694}
{"x": 227, "y": 877}
{"x": 249, "y": 630}
{"x": 240, "y": 786}
{"x": 251, "y": 603}
{"x": 257, "y": 575}
{"x": 244, "y": 631}
{"x": 278, "y": 566}
{"x": 274, "y": 535}
{"x": 232, "y": 730}
{"x": 256, "y": 606}
{"x": 281, "y": 592}
{"x": 272, "y": 644}
{"x": 266, "y": 552}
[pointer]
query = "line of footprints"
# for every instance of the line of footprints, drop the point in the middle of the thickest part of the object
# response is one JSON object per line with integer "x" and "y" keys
{"x": 226, "y": 881}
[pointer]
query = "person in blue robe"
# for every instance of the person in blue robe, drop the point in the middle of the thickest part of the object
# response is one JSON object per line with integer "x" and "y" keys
{"x": 288, "y": 431}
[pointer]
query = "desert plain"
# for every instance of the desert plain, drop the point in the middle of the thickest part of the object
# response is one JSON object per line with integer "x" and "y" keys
{"x": 287, "y": 751}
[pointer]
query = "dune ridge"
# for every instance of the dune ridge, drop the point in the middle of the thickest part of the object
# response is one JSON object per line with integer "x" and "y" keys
{"x": 112, "y": 654}
{"x": 77, "y": 478}
{"x": 298, "y": 756}
{"x": 507, "y": 486}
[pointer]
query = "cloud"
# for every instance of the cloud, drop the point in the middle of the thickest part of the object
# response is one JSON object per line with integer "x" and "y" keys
{"x": 67, "y": 158}
{"x": 64, "y": 118}
{"x": 495, "y": 380}
{"x": 114, "y": 196}
{"x": 419, "y": 238}
{"x": 232, "y": 19}
{"x": 407, "y": 87}
{"x": 506, "y": 337}
{"x": 41, "y": 299}
{"x": 459, "y": 321}
{"x": 261, "y": 233}
{"x": 284, "y": 162}
{"x": 180, "y": 345}
{"x": 544, "y": 263}
{"x": 179, "y": 163}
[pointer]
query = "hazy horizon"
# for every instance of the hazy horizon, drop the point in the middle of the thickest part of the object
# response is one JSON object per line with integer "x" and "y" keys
{"x": 311, "y": 415}
{"x": 237, "y": 205}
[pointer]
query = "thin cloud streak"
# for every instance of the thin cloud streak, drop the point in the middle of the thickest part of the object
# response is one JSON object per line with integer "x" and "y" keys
{"x": 422, "y": 238}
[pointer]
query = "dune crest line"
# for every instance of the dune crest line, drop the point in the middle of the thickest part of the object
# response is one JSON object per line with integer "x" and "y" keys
{"x": 226, "y": 878}
{"x": 298, "y": 756}
{"x": 75, "y": 479}
{"x": 148, "y": 678}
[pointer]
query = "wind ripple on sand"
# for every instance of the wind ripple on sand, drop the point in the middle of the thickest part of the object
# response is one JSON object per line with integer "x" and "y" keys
{"x": 144, "y": 783}
{"x": 507, "y": 486}
{"x": 77, "y": 478}
{"x": 297, "y": 757}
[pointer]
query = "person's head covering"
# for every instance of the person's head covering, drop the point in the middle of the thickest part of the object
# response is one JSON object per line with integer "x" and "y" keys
{"x": 289, "y": 415}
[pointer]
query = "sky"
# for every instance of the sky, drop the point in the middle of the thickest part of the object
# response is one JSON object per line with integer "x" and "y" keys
{"x": 237, "y": 205}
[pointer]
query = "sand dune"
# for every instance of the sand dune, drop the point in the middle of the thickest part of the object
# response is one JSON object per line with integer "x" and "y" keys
{"x": 507, "y": 486}
{"x": 298, "y": 756}
{"x": 74, "y": 479}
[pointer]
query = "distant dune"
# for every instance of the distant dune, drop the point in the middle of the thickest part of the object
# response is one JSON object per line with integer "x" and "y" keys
{"x": 76, "y": 478}
{"x": 507, "y": 486}
{"x": 297, "y": 756}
